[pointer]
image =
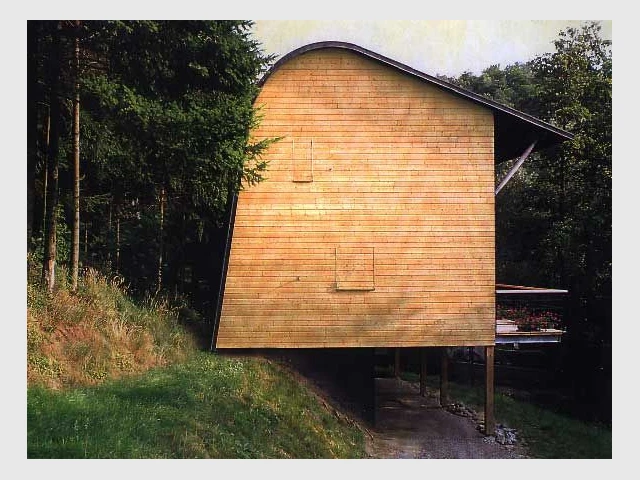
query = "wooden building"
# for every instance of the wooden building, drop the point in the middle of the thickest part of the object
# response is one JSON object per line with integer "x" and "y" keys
{"x": 375, "y": 226}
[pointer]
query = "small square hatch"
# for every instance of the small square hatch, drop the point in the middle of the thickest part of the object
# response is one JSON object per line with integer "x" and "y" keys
{"x": 355, "y": 268}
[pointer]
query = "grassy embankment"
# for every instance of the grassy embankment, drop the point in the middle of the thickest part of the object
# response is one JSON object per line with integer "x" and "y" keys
{"x": 109, "y": 378}
{"x": 545, "y": 434}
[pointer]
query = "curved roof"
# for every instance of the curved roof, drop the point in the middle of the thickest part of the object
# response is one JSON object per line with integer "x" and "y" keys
{"x": 514, "y": 130}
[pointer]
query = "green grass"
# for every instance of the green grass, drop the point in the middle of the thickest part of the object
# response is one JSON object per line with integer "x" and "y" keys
{"x": 110, "y": 377}
{"x": 546, "y": 434}
{"x": 208, "y": 407}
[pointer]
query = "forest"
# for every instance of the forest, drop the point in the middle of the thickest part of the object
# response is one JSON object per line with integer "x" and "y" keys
{"x": 139, "y": 132}
{"x": 554, "y": 219}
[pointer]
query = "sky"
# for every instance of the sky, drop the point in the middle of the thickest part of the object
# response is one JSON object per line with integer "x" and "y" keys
{"x": 435, "y": 47}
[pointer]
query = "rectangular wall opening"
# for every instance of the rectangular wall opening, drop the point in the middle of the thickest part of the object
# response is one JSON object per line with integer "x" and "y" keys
{"x": 355, "y": 268}
{"x": 302, "y": 159}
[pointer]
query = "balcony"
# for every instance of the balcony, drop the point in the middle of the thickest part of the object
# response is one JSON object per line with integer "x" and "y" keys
{"x": 529, "y": 314}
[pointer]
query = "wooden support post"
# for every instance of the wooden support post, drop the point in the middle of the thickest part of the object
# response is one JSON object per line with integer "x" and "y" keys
{"x": 471, "y": 372}
{"x": 396, "y": 367}
{"x": 423, "y": 371}
{"x": 489, "y": 420}
{"x": 444, "y": 377}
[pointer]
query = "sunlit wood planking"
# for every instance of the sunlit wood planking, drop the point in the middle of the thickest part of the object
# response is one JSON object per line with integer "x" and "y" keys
{"x": 393, "y": 168}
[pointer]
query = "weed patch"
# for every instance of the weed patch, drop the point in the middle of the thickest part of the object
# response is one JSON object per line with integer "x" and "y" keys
{"x": 98, "y": 333}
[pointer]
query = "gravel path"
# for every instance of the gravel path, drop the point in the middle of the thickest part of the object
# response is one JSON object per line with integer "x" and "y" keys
{"x": 398, "y": 423}
{"x": 408, "y": 425}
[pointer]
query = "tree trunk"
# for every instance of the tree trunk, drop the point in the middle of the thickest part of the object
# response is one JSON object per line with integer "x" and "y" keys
{"x": 40, "y": 215}
{"x": 109, "y": 232}
{"x": 562, "y": 248}
{"x": 75, "y": 237}
{"x": 182, "y": 267}
{"x": 118, "y": 241}
{"x": 38, "y": 146}
{"x": 32, "y": 128}
{"x": 49, "y": 261}
{"x": 161, "y": 239}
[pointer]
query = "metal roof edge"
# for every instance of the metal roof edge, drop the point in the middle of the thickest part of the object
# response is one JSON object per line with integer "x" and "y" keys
{"x": 495, "y": 106}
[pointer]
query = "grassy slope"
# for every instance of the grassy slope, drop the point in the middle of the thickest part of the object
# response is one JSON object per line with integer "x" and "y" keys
{"x": 546, "y": 434}
{"x": 209, "y": 407}
{"x": 98, "y": 333}
{"x": 110, "y": 378}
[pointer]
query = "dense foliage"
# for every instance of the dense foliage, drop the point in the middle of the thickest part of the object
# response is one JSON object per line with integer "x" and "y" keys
{"x": 166, "y": 119}
{"x": 554, "y": 218}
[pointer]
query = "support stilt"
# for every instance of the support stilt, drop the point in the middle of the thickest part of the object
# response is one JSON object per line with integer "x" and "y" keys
{"x": 471, "y": 372}
{"x": 444, "y": 377}
{"x": 423, "y": 371}
{"x": 489, "y": 419}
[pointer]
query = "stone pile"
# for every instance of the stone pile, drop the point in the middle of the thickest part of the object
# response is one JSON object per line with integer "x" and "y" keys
{"x": 505, "y": 436}
{"x": 461, "y": 410}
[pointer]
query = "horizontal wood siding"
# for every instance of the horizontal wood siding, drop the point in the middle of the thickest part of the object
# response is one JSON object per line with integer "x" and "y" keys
{"x": 385, "y": 164}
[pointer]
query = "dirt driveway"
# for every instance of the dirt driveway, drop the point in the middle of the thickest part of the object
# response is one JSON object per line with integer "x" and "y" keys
{"x": 408, "y": 425}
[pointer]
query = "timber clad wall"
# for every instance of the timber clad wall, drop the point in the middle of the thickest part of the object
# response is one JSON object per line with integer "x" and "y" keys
{"x": 375, "y": 226}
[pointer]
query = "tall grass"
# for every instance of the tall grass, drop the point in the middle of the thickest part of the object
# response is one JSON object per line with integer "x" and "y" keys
{"x": 97, "y": 333}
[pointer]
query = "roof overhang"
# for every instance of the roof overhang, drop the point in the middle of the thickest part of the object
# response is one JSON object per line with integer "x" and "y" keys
{"x": 514, "y": 130}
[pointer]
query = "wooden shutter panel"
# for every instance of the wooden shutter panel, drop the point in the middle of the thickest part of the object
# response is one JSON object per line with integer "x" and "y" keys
{"x": 302, "y": 159}
{"x": 355, "y": 268}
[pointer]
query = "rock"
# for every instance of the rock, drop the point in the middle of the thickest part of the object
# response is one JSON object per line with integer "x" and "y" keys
{"x": 505, "y": 436}
{"x": 489, "y": 439}
{"x": 461, "y": 410}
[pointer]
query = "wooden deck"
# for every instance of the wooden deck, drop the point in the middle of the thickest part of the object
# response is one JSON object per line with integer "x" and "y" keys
{"x": 507, "y": 332}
